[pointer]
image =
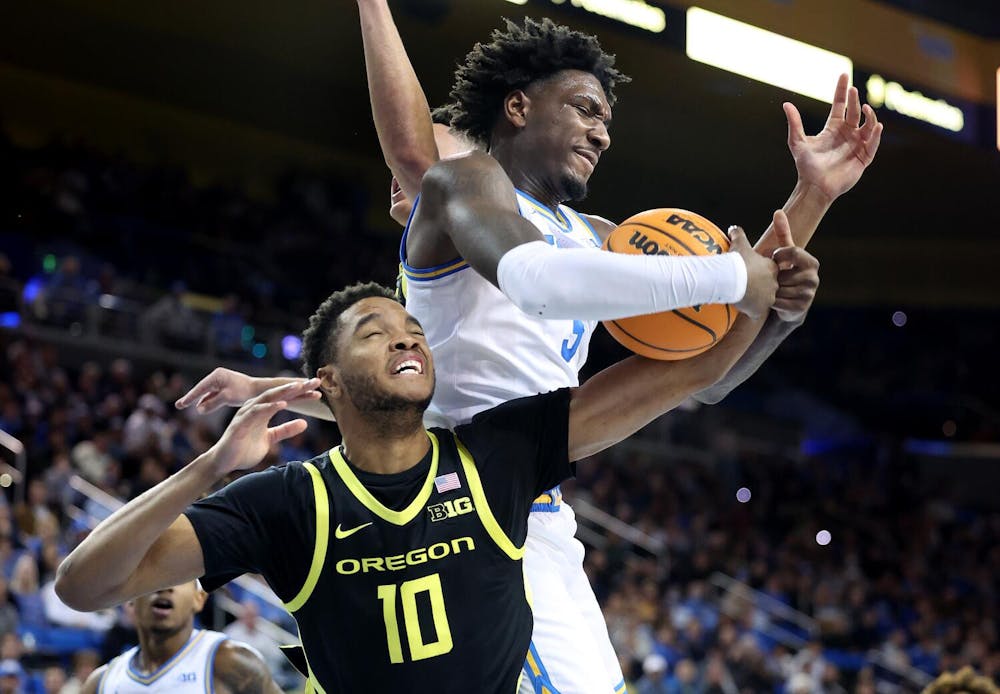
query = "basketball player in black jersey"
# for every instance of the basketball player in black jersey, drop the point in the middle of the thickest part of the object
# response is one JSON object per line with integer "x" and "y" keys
{"x": 399, "y": 552}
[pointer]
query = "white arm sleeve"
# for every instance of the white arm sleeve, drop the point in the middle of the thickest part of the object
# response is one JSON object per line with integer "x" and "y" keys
{"x": 587, "y": 284}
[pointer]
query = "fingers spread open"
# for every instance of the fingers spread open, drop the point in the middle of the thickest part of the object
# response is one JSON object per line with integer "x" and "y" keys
{"x": 839, "y": 105}
{"x": 853, "y": 116}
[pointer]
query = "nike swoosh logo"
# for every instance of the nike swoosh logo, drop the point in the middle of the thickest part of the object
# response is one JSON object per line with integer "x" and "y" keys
{"x": 341, "y": 534}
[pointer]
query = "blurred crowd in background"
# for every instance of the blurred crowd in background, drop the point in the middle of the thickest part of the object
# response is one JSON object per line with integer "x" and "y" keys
{"x": 98, "y": 251}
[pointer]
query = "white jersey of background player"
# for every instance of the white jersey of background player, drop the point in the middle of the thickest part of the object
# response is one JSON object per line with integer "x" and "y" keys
{"x": 470, "y": 205}
{"x": 175, "y": 658}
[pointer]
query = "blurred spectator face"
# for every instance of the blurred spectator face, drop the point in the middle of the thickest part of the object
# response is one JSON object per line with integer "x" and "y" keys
{"x": 687, "y": 671}
{"x": 654, "y": 667}
{"x": 55, "y": 679}
{"x": 84, "y": 663}
{"x": 37, "y": 493}
{"x": 249, "y": 614}
{"x": 170, "y": 610}
{"x": 11, "y": 647}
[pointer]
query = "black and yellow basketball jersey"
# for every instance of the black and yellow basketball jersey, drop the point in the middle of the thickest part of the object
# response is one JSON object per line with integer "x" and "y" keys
{"x": 410, "y": 582}
{"x": 412, "y": 599}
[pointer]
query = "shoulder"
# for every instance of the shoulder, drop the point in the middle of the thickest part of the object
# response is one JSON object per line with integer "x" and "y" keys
{"x": 603, "y": 227}
{"x": 93, "y": 681}
{"x": 239, "y": 668}
{"x": 287, "y": 476}
{"x": 474, "y": 171}
{"x": 516, "y": 416}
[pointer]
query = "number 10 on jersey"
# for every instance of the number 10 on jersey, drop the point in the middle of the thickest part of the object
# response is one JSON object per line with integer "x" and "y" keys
{"x": 408, "y": 591}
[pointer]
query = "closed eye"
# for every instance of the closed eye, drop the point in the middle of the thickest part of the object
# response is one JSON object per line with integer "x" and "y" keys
{"x": 372, "y": 334}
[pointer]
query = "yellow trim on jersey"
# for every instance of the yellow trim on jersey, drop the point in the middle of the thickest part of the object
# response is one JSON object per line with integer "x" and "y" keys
{"x": 565, "y": 224}
{"x": 322, "y": 539}
{"x": 483, "y": 508}
{"x": 209, "y": 677}
{"x": 312, "y": 685}
{"x": 587, "y": 225}
{"x": 374, "y": 505}
{"x": 422, "y": 275}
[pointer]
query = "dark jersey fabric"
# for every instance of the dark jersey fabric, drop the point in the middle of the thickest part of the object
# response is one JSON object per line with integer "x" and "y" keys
{"x": 266, "y": 523}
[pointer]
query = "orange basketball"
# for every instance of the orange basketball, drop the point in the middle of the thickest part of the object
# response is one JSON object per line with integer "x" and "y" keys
{"x": 683, "y": 333}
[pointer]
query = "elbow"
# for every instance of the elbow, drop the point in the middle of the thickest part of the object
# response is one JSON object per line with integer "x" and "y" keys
{"x": 711, "y": 396}
{"x": 709, "y": 388}
{"x": 71, "y": 589}
{"x": 66, "y": 587}
{"x": 410, "y": 165}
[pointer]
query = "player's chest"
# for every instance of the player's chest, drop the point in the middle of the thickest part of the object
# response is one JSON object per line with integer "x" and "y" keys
{"x": 445, "y": 529}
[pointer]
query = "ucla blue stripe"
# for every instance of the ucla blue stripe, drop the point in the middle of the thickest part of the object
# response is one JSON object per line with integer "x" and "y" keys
{"x": 549, "y": 502}
{"x": 539, "y": 676}
{"x": 423, "y": 274}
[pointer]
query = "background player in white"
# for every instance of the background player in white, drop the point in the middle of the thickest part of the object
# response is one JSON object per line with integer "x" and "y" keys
{"x": 828, "y": 164}
{"x": 173, "y": 656}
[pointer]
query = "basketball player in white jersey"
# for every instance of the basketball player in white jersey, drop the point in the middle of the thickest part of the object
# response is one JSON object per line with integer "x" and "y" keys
{"x": 494, "y": 351}
{"x": 173, "y": 657}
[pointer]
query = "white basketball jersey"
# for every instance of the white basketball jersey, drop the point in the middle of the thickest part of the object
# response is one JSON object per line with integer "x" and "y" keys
{"x": 486, "y": 350}
{"x": 189, "y": 671}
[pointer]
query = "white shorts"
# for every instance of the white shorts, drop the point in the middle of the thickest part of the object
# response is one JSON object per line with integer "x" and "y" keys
{"x": 570, "y": 652}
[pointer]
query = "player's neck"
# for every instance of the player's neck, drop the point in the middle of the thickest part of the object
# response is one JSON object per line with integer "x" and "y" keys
{"x": 525, "y": 178}
{"x": 383, "y": 447}
{"x": 155, "y": 650}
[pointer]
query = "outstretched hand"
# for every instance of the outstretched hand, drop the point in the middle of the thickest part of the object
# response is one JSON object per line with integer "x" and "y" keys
{"x": 834, "y": 160}
{"x": 221, "y": 388}
{"x": 248, "y": 438}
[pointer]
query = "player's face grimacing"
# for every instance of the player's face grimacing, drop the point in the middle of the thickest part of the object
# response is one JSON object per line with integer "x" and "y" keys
{"x": 566, "y": 130}
{"x": 169, "y": 610}
{"x": 449, "y": 146}
{"x": 383, "y": 358}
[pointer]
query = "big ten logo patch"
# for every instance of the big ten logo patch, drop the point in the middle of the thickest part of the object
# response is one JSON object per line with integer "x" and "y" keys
{"x": 450, "y": 508}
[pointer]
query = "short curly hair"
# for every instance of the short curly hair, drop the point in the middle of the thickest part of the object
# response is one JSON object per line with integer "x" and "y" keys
{"x": 965, "y": 681}
{"x": 517, "y": 57}
{"x": 319, "y": 340}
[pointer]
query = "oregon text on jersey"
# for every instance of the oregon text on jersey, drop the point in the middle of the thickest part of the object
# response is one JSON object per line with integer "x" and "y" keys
{"x": 396, "y": 562}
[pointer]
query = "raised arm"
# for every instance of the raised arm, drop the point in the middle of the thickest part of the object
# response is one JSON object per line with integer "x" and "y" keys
{"x": 399, "y": 107}
{"x": 469, "y": 209}
{"x": 147, "y": 544}
{"x": 625, "y": 397}
{"x": 828, "y": 164}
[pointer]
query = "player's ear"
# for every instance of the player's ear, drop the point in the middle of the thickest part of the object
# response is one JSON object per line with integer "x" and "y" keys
{"x": 329, "y": 381}
{"x": 515, "y": 108}
{"x": 200, "y": 596}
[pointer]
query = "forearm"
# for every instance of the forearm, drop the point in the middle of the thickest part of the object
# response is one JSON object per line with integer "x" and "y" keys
{"x": 101, "y": 571}
{"x": 806, "y": 207}
{"x": 592, "y": 285}
{"x": 627, "y": 396}
{"x": 771, "y": 335}
{"x": 399, "y": 107}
